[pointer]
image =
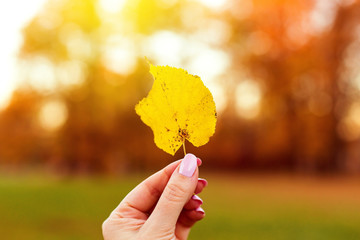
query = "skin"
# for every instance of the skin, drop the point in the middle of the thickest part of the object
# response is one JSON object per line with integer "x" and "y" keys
{"x": 160, "y": 207}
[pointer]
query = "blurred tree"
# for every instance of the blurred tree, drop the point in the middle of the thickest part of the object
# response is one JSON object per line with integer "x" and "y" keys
{"x": 288, "y": 103}
{"x": 20, "y": 137}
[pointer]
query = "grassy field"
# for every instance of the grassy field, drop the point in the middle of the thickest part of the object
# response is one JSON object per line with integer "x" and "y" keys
{"x": 237, "y": 207}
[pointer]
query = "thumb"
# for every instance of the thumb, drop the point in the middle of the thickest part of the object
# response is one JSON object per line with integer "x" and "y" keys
{"x": 177, "y": 192}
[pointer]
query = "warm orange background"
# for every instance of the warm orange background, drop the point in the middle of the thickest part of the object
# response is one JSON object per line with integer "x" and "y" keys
{"x": 284, "y": 162}
{"x": 285, "y": 76}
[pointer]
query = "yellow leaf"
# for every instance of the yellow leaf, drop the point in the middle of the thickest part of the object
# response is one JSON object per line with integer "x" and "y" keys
{"x": 178, "y": 107}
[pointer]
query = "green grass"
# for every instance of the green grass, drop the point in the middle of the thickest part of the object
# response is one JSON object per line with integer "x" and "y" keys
{"x": 237, "y": 207}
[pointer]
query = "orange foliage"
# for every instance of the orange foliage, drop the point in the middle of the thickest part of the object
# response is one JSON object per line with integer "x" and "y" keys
{"x": 299, "y": 56}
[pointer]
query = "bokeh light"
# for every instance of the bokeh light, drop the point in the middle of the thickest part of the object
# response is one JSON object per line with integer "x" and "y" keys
{"x": 349, "y": 126}
{"x": 214, "y": 4}
{"x": 11, "y": 25}
{"x": 248, "y": 99}
{"x": 53, "y": 115}
{"x": 119, "y": 55}
{"x": 287, "y": 67}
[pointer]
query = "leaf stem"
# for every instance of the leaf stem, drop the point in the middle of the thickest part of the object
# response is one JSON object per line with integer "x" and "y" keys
{"x": 184, "y": 147}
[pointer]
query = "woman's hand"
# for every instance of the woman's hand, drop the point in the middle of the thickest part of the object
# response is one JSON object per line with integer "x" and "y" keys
{"x": 161, "y": 207}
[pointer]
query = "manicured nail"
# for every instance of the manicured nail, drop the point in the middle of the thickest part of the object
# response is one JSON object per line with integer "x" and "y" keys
{"x": 188, "y": 165}
{"x": 196, "y": 198}
{"x": 200, "y": 210}
{"x": 203, "y": 181}
{"x": 199, "y": 162}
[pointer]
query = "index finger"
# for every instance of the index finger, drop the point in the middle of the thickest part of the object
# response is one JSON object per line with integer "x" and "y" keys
{"x": 145, "y": 195}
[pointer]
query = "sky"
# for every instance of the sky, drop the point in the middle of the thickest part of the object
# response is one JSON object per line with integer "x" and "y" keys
{"x": 14, "y": 15}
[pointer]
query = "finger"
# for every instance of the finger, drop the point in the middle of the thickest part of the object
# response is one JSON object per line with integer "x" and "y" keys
{"x": 144, "y": 196}
{"x": 199, "y": 162}
{"x": 193, "y": 203}
{"x": 202, "y": 183}
{"x": 187, "y": 219}
{"x": 177, "y": 192}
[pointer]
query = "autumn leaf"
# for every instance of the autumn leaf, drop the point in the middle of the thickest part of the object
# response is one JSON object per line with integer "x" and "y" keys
{"x": 179, "y": 107}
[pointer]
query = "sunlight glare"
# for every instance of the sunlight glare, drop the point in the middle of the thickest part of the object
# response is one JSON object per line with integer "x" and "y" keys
{"x": 213, "y": 31}
{"x": 248, "y": 97}
{"x": 208, "y": 63}
{"x": 13, "y": 16}
{"x": 322, "y": 16}
{"x": 41, "y": 74}
{"x": 119, "y": 55}
{"x": 112, "y": 6}
{"x": 219, "y": 95}
{"x": 168, "y": 3}
{"x": 165, "y": 47}
{"x": 72, "y": 72}
{"x": 77, "y": 42}
{"x": 6, "y": 88}
{"x": 53, "y": 115}
{"x": 357, "y": 82}
{"x": 213, "y": 4}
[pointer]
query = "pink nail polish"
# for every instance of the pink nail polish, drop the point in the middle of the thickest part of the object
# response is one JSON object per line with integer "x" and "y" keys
{"x": 200, "y": 210}
{"x": 203, "y": 181}
{"x": 199, "y": 162}
{"x": 188, "y": 165}
{"x": 196, "y": 198}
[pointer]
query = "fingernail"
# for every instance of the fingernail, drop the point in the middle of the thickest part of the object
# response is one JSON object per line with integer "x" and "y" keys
{"x": 188, "y": 165}
{"x": 199, "y": 162}
{"x": 200, "y": 210}
{"x": 196, "y": 198}
{"x": 203, "y": 181}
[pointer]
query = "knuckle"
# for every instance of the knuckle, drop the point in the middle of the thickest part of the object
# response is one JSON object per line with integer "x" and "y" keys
{"x": 175, "y": 192}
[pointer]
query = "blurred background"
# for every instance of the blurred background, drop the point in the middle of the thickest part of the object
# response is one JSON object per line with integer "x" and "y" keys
{"x": 284, "y": 162}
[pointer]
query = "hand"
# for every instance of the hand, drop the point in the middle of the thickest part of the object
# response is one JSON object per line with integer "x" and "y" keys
{"x": 161, "y": 207}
